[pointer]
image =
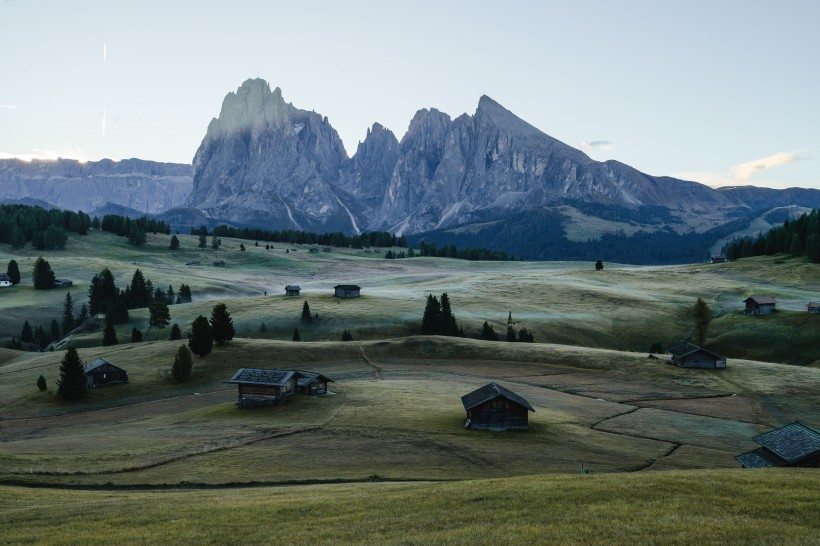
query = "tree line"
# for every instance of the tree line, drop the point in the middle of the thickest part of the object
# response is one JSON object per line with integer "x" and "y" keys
{"x": 337, "y": 239}
{"x": 134, "y": 229}
{"x": 44, "y": 229}
{"x": 800, "y": 237}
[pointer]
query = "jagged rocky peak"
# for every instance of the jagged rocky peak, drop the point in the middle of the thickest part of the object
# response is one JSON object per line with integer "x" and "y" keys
{"x": 252, "y": 104}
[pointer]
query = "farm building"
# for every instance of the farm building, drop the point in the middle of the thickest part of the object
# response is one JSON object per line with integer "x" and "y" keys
{"x": 759, "y": 305}
{"x": 347, "y": 291}
{"x": 796, "y": 444}
{"x": 5, "y": 280}
{"x": 492, "y": 407}
{"x": 814, "y": 307}
{"x": 63, "y": 283}
{"x": 100, "y": 372}
{"x": 312, "y": 383}
{"x": 689, "y": 355}
{"x": 718, "y": 259}
{"x": 293, "y": 290}
{"x": 258, "y": 387}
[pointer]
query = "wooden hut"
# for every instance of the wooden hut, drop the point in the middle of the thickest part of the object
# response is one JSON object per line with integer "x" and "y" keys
{"x": 718, "y": 259}
{"x": 293, "y": 290}
{"x": 492, "y": 407}
{"x": 100, "y": 372}
{"x": 312, "y": 383}
{"x": 347, "y": 291}
{"x": 796, "y": 444}
{"x": 814, "y": 307}
{"x": 5, "y": 280}
{"x": 260, "y": 387}
{"x": 63, "y": 283}
{"x": 759, "y": 305}
{"x": 689, "y": 355}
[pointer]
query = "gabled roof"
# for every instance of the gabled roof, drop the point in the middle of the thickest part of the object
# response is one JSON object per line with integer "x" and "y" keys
{"x": 94, "y": 364}
{"x": 760, "y": 458}
{"x": 685, "y": 349}
{"x": 348, "y": 286}
{"x": 5, "y": 277}
{"x": 489, "y": 392}
{"x": 257, "y": 376}
{"x": 761, "y": 300}
{"x": 811, "y": 305}
{"x": 293, "y": 287}
{"x": 793, "y": 442}
{"x": 309, "y": 377}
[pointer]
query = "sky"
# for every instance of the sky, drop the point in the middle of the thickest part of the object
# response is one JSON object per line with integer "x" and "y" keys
{"x": 722, "y": 92}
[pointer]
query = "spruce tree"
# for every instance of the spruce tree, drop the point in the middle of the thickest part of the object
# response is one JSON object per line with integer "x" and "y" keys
{"x": 701, "y": 317}
{"x": 347, "y": 336}
{"x": 203, "y": 240}
{"x": 170, "y": 295}
{"x": 41, "y": 338}
{"x": 136, "y": 335}
{"x": 174, "y": 242}
{"x": 431, "y": 320}
{"x": 176, "y": 333}
{"x": 71, "y": 385}
{"x": 488, "y": 333}
{"x": 510, "y": 330}
{"x": 27, "y": 335}
{"x": 307, "y": 318}
{"x": 42, "y": 275}
{"x": 296, "y": 336}
{"x": 221, "y": 324}
{"x": 83, "y": 315}
{"x": 54, "y": 330}
{"x": 599, "y": 265}
{"x": 159, "y": 317}
{"x": 41, "y": 383}
{"x": 183, "y": 363}
{"x": 68, "y": 314}
{"x": 201, "y": 339}
{"x": 448, "y": 326}
{"x": 109, "y": 335}
{"x": 13, "y": 271}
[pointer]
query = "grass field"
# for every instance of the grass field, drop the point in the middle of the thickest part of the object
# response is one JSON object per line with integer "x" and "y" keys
{"x": 159, "y": 461}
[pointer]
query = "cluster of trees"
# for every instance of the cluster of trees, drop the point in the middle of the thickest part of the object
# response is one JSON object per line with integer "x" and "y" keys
{"x": 39, "y": 338}
{"x": 42, "y": 275}
{"x": 472, "y": 253}
{"x": 374, "y": 238}
{"x": 205, "y": 332}
{"x": 13, "y": 271}
{"x": 488, "y": 333}
{"x": 105, "y": 297}
{"x": 798, "y": 237}
{"x": 45, "y": 229}
{"x": 438, "y": 318}
{"x": 135, "y": 230}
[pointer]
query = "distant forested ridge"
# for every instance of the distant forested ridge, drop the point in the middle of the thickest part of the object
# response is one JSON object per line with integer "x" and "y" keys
{"x": 800, "y": 237}
{"x": 540, "y": 235}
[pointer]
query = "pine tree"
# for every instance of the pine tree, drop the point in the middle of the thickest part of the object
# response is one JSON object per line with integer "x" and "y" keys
{"x": 118, "y": 312}
{"x": 174, "y": 242}
{"x": 183, "y": 363}
{"x": 139, "y": 294}
{"x": 13, "y": 271}
{"x": 41, "y": 338}
{"x": 448, "y": 325}
{"x": 54, "y": 330}
{"x": 216, "y": 242}
{"x": 170, "y": 295}
{"x": 431, "y": 320}
{"x": 109, "y": 335}
{"x": 307, "y": 318}
{"x": 176, "y": 333}
{"x": 136, "y": 335}
{"x": 488, "y": 333}
{"x": 41, "y": 383}
{"x": 27, "y": 335}
{"x": 701, "y": 317}
{"x": 83, "y": 315}
{"x": 221, "y": 324}
{"x": 71, "y": 385}
{"x": 296, "y": 336}
{"x": 203, "y": 240}
{"x": 68, "y": 314}
{"x": 599, "y": 265}
{"x": 102, "y": 293}
{"x": 242, "y": 247}
{"x": 201, "y": 339}
{"x": 510, "y": 330}
{"x": 42, "y": 275}
{"x": 159, "y": 317}
{"x": 347, "y": 336}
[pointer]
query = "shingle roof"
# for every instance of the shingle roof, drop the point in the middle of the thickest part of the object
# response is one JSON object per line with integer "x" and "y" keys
{"x": 813, "y": 304}
{"x": 293, "y": 287}
{"x": 686, "y": 349}
{"x": 309, "y": 377}
{"x": 760, "y": 458}
{"x": 489, "y": 392}
{"x": 793, "y": 442}
{"x": 257, "y": 376}
{"x": 5, "y": 277}
{"x": 94, "y": 364}
{"x": 348, "y": 286}
{"x": 761, "y": 300}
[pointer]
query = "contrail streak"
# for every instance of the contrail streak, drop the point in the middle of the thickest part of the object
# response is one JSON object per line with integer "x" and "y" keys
{"x": 105, "y": 97}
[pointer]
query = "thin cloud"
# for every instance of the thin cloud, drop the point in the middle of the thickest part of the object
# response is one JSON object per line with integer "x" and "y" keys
{"x": 596, "y": 145}
{"x": 741, "y": 174}
{"x": 8, "y": 106}
{"x": 744, "y": 171}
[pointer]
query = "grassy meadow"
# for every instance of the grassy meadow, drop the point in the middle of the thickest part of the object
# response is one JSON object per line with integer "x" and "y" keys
{"x": 160, "y": 461}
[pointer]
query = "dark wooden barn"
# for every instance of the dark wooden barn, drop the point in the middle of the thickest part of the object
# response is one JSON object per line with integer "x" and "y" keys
{"x": 347, "y": 291}
{"x": 718, "y": 259}
{"x": 689, "y": 355}
{"x": 100, "y": 372}
{"x": 796, "y": 444}
{"x": 312, "y": 383}
{"x": 293, "y": 290}
{"x": 492, "y": 407}
{"x": 813, "y": 307}
{"x": 759, "y": 305}
{"x": 259, "y": 387}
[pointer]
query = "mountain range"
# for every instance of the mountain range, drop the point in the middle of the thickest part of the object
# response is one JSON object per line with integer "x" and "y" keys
{"x": 489, "y": 176}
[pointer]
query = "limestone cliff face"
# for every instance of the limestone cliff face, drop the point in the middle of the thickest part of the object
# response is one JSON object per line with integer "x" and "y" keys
{"x": 265, "y": 162}
{"x": 146, "y": 186}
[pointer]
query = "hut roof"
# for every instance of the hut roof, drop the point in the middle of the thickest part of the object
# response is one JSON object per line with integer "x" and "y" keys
{"x": 811, "y": 305}
{"x": 761, "y": 300}
{"x": 685, "y": 349}
{"x": 293, "y": 287}
{"x": 348, "y": 286}
{"x": 5, "y": 277}
{"x": 793, "y": 442}
{"x": 489, "y": 392}
{"x": 759, "y": 458}
{"x": 309, "y": 377}
{"x": 257, "y": 376}
{"x": 96, "y": 363}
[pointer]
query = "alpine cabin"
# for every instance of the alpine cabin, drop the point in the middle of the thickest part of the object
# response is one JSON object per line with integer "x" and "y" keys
{"x": 796, "y": 444}
{"x": 689, "y": 355}
{"x": 492, "y": 407}
{"x": 759, "y": 305}
{"x": 312, "y": 383}
{"x": 293, "y": 290}
{"x": 347, "y": 291}
{"x": 5, "y": 280}
{"x": 100, "y": 372}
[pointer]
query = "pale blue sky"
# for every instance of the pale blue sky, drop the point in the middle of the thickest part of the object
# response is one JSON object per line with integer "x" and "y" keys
{"x": 720, "y": 91}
